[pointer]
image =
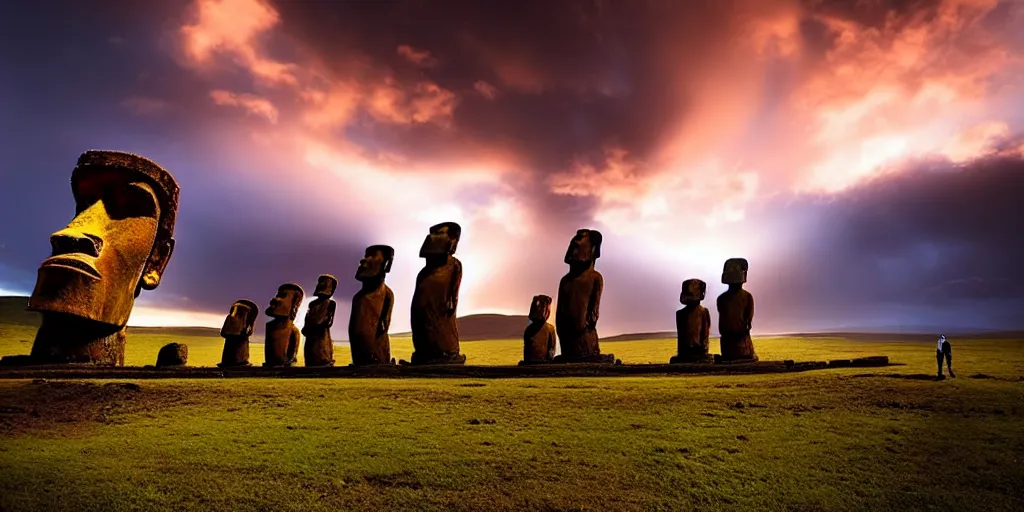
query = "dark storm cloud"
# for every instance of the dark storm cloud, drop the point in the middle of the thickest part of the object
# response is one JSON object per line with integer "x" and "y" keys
{"x": 935, "y": 237}
{"x": 571, "y": 77}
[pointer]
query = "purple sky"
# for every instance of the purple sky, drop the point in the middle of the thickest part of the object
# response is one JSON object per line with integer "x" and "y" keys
{"x": 866, "y": 160}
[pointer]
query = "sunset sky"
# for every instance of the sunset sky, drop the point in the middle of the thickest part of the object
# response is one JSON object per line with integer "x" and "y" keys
{"x": 866, "y": 157}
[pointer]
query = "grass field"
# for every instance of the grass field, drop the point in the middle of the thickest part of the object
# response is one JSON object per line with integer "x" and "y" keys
{"x": 851, "y": 439}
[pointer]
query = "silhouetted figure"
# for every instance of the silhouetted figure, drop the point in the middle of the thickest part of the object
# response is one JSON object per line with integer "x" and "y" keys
{"x": 579, "y": 302}
{"x": 735, "y": 314}
{"x": 281, "y": 343}
{"x": 319, "y": 347}
{"x": 693, "y": 325}
{"x": 435, "y": 331}
{"x": 944, "y": 351}
{"x": 539, "y": 337}
{"x": 117, "y": 245}
{"x": 237, "y": 328}
{"x": 371, "y": 309}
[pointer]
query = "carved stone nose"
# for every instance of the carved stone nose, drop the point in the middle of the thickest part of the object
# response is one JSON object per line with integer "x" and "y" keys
{"x": 76, "y": 244}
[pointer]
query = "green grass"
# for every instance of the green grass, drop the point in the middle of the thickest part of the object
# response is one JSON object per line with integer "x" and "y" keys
{"x": 850, "y": 439}
{"x": 994, "y": 357}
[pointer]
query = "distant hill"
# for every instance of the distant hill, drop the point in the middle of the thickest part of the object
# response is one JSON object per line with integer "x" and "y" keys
{"x": 488, "y": 327}
{"x": 660, "y": 335}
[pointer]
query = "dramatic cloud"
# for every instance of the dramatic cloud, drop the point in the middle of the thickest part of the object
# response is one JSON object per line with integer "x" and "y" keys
{"x": 249, "y": 102}
{"x": 687, "y": 132}
{"x": 937, "y": 237}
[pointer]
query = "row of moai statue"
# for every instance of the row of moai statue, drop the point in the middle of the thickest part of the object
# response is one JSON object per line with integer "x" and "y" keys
{"x": 121, "y": 240}
{"x": 367, "y": 328}
{"x": 580, "y": 291}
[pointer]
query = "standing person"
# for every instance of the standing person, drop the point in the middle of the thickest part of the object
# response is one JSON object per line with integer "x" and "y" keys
{"x": 944, "y": 350}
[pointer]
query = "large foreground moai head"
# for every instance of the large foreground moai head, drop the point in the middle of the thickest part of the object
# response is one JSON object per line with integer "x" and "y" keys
{"x": 584, "y": 248}
{"x": 442, "y": 240}
{"x": 693, "y": 292}
{"x": 118, "y": 243}
{"x": 735, "y": 271}
{"x": 287, "y": 301}
{"x": 241, "y": 319}
{"x": 325, "y": 286}
{"x": 376, "y": 262}
{"x": 540, "y": 309}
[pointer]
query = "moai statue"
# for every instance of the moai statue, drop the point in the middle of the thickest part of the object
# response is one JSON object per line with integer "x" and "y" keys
{"x": 237, "y": 328}
{"x": 319, "y": 348}
{"x": 172, "y": 354}
{"x": 579, "y": 301}
{"x": 693, "y": 325}
{"x": 435, "y": 331}
{"x": 371, "y": 309}
{"x": 539, "y": 338}
{"x": 281, "y": 344}
{"x": 118, "y": 244}
{"x": 735, "y": 314}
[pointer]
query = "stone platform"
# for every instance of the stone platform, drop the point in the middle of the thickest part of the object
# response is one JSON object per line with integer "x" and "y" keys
{"x": 85, "y": 371}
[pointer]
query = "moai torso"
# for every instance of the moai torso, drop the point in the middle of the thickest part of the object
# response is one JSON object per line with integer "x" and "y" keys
{"x": 539, "y": 343}
{"x": 319, "y": 347}
{"x": 281, "y": 346}
{"x": 368, "y": 326}
{"x": 579, "y": 301}
{"x": 434, "y": 327}
{"x": 735, "y": 317}
{"x": 693, "y": 325}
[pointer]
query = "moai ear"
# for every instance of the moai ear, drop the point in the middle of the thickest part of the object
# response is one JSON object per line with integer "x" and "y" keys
{"x": 595, "y": 242}
{"x": 155, "y": 266}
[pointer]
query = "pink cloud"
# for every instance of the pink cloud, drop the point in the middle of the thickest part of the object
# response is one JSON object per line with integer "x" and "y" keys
{"x": 251, "y": 103}
{"x": 485, "y": 89}
{"x": 420, "y": 58}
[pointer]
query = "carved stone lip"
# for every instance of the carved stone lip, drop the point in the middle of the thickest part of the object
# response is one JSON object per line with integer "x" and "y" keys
{"x": 75, "y": 262}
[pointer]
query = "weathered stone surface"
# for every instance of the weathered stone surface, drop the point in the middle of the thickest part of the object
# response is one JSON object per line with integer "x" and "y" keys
{"x": 319, "y": 347}
{"x": 118, "y": 244}
{"x": 237, "y": 328}
{"x": 372, "y": 305}
{"x": 281, "y": 343}
{"x": 735, "y": 314}
{"x": 172, "y": 354}
{"x": 435, "y": 332}
{"x": 539, "y": 342}
{"x": 579, "y": 301}
{"x": 693, "y": 325}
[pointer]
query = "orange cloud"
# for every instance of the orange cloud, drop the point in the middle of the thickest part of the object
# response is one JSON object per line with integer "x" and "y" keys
{"x": 233, "y": 28}
{"x": 485, "y": 89}
{"x": 898, "y": 91}
{"x": 421, "y": 58}
{"x": 251, "y": 103}
{"x": 976, "y": 140}
{"x": 422, "y": 103}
